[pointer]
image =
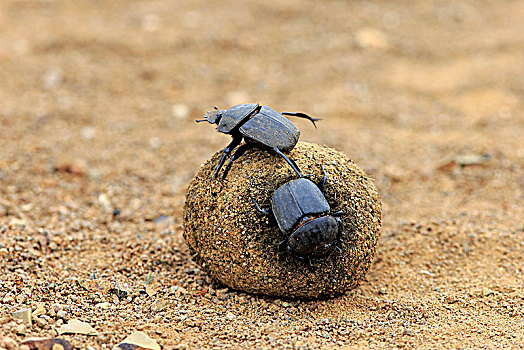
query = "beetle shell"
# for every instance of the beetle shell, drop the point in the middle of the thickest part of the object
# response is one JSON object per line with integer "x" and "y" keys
{"x": 316, "y": 237}
{"x": 234, "y": 116}
{"x": 296, "y": 199}
{"x": 271, "y": 129}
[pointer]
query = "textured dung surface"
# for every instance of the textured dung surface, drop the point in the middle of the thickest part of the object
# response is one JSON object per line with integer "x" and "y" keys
{"x": 238, "y": 246}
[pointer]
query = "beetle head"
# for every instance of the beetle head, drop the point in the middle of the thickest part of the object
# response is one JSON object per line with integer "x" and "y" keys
{"x": 315, "y": 238}
{"x": 212, "y": 117}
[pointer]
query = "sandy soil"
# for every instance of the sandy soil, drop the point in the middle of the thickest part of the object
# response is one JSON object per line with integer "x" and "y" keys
{"x": 97, "y": 102}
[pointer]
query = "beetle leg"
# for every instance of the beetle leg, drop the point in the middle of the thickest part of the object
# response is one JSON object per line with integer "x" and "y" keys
{"x": 337, "y": 213}
{"x": 283, "y": 246}
{"x": 340, "y": 240}
{"x": 324, "y": 179}
{"x": 264, "y": 211}
{"x": 304, "y": 259}
{"x": 291, "y": 162}
{"x": 339, "y": 222}
{"x": 236, "y": 141}
{"x": 239, "y": 152}
{"x": 302, "y": 115}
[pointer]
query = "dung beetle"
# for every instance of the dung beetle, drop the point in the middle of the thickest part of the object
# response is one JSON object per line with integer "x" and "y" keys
{"x": 260, "y": 126}
{"x": 303, "y": 215}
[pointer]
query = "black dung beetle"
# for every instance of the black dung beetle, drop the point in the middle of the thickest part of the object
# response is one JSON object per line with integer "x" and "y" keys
{"x": 259, "y": 126}
{"x": 303, "y": 215}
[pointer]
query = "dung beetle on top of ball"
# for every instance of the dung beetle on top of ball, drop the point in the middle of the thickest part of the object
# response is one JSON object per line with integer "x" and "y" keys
{"x": 259, "y": 126}
{"x": 303, "y": 215}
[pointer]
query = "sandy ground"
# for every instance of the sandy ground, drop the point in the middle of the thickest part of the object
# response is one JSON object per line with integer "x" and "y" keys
{"x": 97, "y": 108}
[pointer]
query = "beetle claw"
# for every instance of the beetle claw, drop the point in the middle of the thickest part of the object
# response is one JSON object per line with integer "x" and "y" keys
{"x": 263, "y": 211}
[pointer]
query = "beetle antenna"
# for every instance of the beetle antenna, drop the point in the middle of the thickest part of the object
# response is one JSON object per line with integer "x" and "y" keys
{"x": 200, "y": 120}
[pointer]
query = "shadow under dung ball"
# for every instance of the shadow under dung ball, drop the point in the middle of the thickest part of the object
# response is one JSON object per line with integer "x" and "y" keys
{"x": 239, "y": 246}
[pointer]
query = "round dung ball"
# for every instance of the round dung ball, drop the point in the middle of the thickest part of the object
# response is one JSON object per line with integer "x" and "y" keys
{"x": 240, "y": 247}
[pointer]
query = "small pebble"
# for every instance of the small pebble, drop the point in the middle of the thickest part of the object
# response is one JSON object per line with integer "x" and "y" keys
{"x": 52, "y": 78}
{"x": 21, "y": 329}
{"x": 103, "y": 199}
{"x": 150, "y": 23}
{"x": 105, "y": 305}
{"x": 9, "y": 298}
{"x": 370, "y": 38}
{"x": 155, "y": 142}
{"x": 180, "y": 111}
{"x": 40, "y": 310}
{"x": 24, "y": 315}
{"x": 88, "y": 132}
{"x": 40, "y": 322}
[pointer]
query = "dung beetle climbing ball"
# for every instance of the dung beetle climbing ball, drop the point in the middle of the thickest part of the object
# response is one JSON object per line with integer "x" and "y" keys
{"x": 259, "y": 126}
{"x": 242, "y": 249}
{"x": 303, "y": 215}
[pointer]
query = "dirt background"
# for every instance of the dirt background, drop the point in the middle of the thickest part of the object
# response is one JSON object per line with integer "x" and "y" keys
{"x": 97, "y": 107}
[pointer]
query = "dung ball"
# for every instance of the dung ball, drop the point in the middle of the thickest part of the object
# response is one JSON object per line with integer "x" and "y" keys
{"x": 240, "y": 247}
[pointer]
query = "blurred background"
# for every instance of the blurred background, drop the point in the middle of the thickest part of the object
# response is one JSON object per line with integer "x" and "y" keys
{"x": 98, "y": 101}
{"x": 113, "y": 88}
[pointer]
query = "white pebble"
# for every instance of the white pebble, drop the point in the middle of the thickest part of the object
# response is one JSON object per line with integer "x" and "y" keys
{"x": 150, "y": 23}
{"x": 155, "y": 142}
{"x": 104, "y": 200}
{"x": 180, "y": 111}
{"x": 370, "y": 38}
{"x": 52, "y": 78}
{"x": 88, "y": 132}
